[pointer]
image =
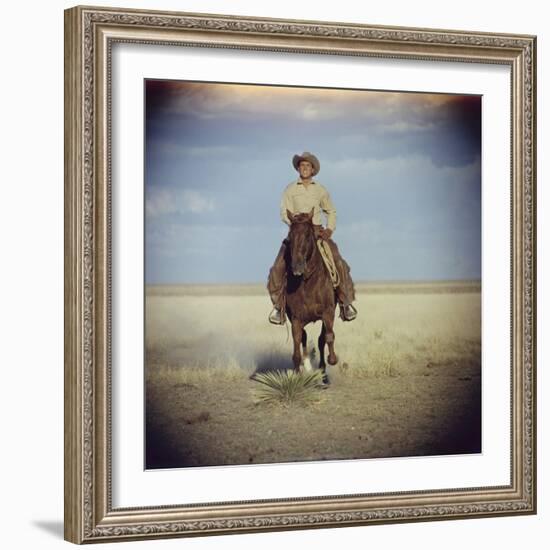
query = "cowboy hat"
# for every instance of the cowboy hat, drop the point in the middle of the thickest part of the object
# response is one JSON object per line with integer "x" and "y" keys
{"x": 310, "y": 158}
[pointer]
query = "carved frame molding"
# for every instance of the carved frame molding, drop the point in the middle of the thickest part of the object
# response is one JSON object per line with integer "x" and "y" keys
{"x": 89, "y": 35}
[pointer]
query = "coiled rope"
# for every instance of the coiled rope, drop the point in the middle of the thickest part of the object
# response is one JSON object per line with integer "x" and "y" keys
{"x": 328, "y": 259}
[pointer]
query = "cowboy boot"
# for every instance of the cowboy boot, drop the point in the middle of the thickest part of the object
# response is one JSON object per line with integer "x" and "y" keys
{"x": 350, "y": 313}
{"x": 275, "y": 317}
{"x": 347, "y": 312}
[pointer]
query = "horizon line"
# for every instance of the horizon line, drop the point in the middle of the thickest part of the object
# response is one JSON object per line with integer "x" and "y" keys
{"x": 357, "y": 282}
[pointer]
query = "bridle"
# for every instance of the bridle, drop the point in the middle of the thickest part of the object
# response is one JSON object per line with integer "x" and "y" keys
{"x": 307, "y": 274}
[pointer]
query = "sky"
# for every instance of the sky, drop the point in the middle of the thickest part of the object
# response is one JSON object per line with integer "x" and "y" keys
{"x": 402, "y": 169}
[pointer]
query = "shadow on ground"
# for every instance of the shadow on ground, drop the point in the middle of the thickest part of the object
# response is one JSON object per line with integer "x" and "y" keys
{"x": 52, "y": 527}
{"x": 270, "y": 362}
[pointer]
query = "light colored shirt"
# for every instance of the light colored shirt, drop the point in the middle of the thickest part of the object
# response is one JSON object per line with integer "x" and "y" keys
{"x": 298, "y": 197}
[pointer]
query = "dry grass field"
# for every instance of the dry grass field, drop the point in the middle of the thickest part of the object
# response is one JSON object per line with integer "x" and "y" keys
{"x": 407, "y": 383}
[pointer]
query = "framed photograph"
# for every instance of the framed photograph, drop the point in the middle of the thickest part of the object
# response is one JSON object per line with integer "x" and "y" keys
{"x": 299, "y": 274}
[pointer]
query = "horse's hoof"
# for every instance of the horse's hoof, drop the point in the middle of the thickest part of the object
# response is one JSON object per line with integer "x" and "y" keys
{"x": 325, "y": 382}
{"x": 332, "y": 360}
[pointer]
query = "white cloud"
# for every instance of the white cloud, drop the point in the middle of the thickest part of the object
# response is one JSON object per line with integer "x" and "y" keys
{"x": 404, "y": 127}
{"x": 162, "y": 201}
{"x": 400, "y": 168}
{"x": 195, "y": 202}
{"x": 172, "y": 148}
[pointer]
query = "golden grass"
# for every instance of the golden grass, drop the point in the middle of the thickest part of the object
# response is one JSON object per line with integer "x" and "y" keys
{"x": 202, "y": 336}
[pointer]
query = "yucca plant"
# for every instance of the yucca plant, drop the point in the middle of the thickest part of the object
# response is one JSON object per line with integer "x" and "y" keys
{"x": 287, "y": 387}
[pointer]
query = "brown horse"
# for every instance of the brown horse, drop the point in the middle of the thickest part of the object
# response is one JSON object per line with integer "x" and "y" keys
{"x": 310, "y": 295}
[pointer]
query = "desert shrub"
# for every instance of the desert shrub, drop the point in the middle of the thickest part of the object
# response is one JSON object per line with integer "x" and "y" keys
{"x": 288, "y": 387}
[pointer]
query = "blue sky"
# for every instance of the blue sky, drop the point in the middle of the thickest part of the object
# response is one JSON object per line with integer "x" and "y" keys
{"x": 403, "y": 170}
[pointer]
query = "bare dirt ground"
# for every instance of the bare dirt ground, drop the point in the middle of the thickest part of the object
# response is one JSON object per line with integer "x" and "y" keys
{"x": 408, "y": 380}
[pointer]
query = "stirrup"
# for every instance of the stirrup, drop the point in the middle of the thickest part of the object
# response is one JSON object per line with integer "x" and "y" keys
{"x": 347, "y": 312}
{"x": 275, "y": 317}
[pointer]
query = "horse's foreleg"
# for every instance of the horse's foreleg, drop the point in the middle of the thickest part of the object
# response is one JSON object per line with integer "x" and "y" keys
{"x": 297, "y": 329}
{"x": 322, "y": 365}
{"x": 306, "y": 363}
{"x": 328, "y": 323}
{"x": 321, "y": 342}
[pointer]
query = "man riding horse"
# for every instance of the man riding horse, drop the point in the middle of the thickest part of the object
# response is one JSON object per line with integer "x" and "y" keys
{"x": 306, "y": 195}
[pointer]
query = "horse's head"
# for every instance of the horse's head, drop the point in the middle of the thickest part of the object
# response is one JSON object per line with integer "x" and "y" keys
{"x": 302, "y": 240}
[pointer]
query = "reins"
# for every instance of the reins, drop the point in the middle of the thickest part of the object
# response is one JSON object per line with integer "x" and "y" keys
{"x": 327, "y": 258}
{"x": 310, "y": 273}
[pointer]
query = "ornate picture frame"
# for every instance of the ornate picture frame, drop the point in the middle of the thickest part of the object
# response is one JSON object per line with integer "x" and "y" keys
{"x": 90, "y": 34}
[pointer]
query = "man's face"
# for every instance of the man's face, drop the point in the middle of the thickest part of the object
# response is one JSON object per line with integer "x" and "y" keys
{"x": 306, "y": 169}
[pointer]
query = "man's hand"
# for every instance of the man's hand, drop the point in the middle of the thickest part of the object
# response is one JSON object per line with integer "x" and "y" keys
{"x": 325, "y": 233}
